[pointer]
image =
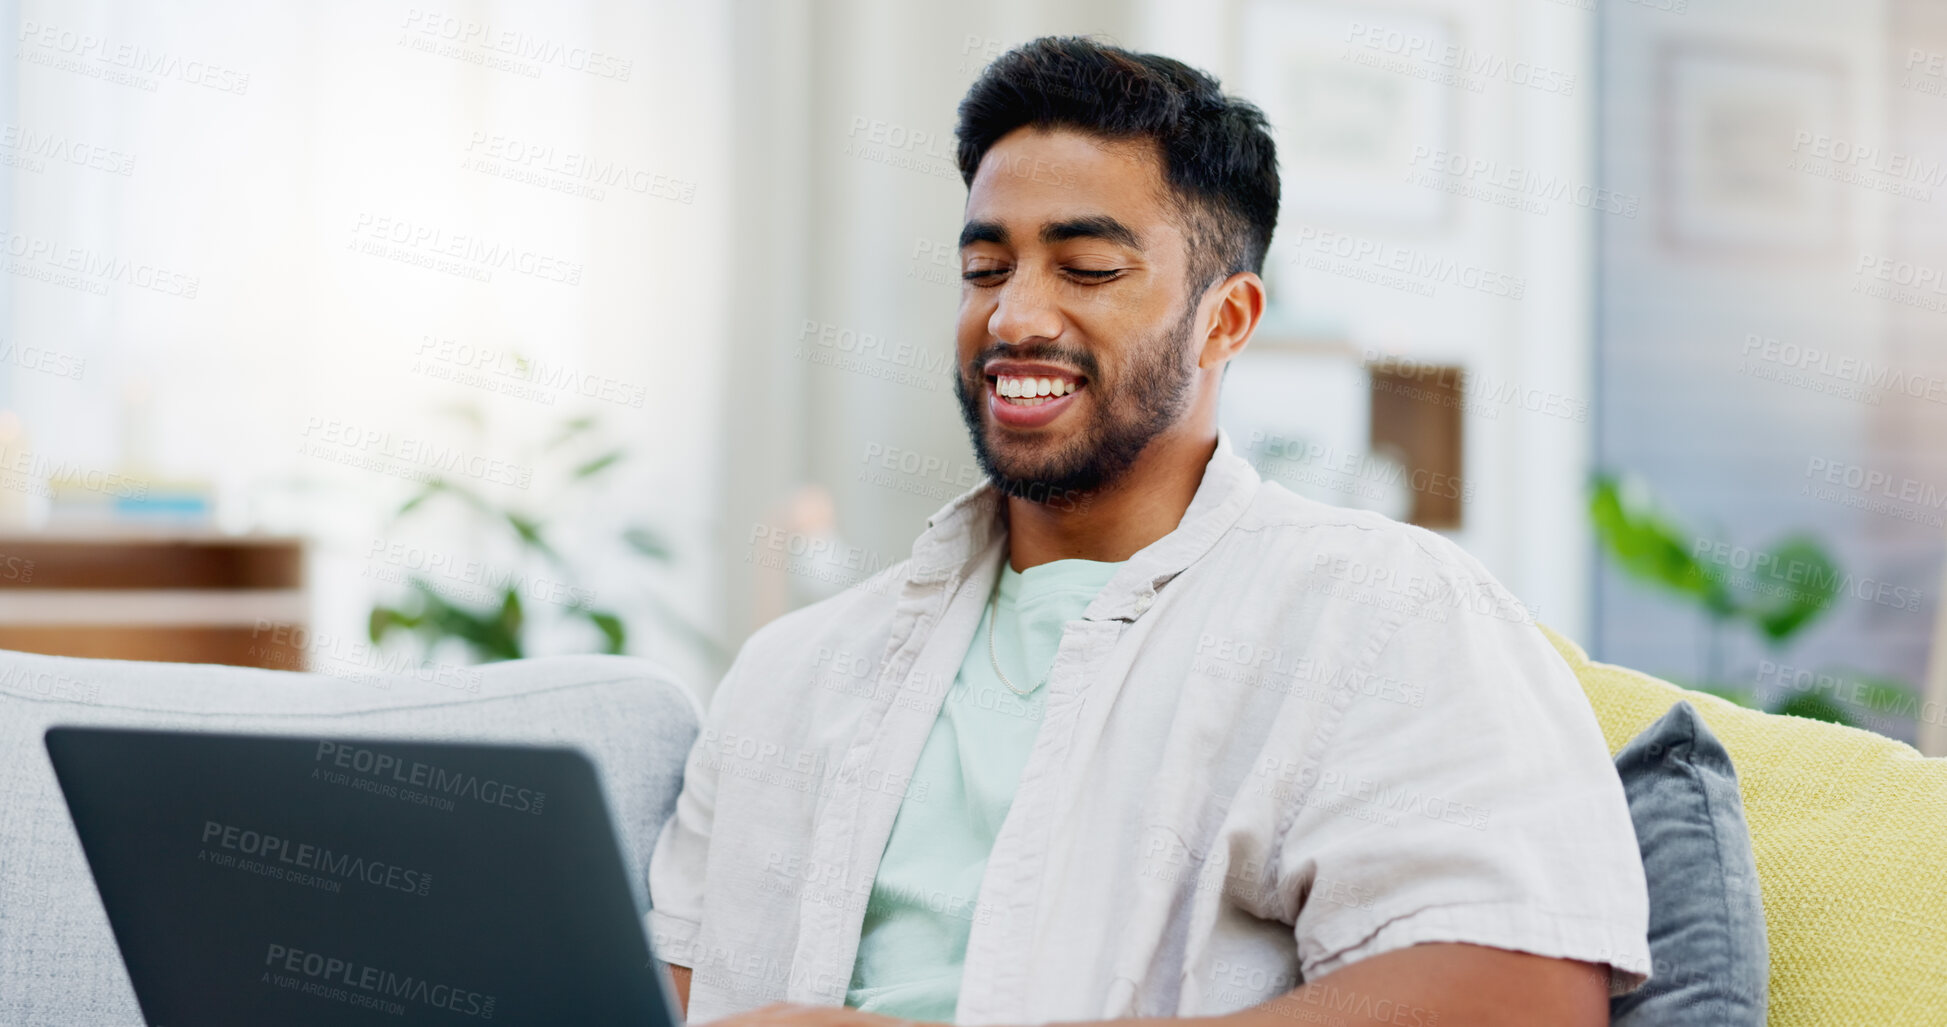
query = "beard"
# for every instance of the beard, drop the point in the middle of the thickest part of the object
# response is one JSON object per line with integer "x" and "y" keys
{"x": 1127, "y": 414}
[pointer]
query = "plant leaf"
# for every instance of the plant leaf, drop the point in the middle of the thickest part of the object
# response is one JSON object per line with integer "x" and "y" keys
{"x": 1873, "y": 694}
{"x": 509, "y": 623}
{"x": 571, "y": 428}
{"x": 530, "y": 532}
{"x": 1813, "y": 706}
{"x": 385, "y": 620}
{"x": 599, "y": 464}
{"x": 1798, "y": 584}
{"x": 612, "y": 630}
{"x": 1650, "y": 549}
{"x": 443, "y": 486}
{"x": 433, "y": 488}
{"x": 492, "y": 635}
{"x": 648, "y": 543}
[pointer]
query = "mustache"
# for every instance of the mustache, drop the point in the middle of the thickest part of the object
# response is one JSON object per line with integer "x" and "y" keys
{"x": 1081, "y": 359}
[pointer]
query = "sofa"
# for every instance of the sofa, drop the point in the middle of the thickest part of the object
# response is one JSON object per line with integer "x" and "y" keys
{"x": 1850, "y": 833}
{"x": 58, "y": 960}
{"x": 1849, "y": 828}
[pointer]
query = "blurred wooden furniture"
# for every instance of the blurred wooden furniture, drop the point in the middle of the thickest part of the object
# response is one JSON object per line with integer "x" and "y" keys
{"x": 1418, "y": 413}
{"x": 1413, "y": 416}
{"x": 130, "y": 594}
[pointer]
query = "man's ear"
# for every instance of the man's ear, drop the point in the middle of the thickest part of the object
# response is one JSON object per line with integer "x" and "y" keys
{"x": 1236, "y": 307}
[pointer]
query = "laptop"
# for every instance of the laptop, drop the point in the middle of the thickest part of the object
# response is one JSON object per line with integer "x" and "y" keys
{"x": 314, "y": 881}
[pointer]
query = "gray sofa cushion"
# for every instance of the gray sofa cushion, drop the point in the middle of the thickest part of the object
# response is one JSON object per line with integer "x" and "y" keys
{"x": 1710, "y": 960}
{"x": 58, "y": 961}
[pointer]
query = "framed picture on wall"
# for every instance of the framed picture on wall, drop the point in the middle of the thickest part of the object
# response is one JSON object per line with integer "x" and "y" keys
{"x": 1347, "y": 113}
{"x": 1731, "y": 182}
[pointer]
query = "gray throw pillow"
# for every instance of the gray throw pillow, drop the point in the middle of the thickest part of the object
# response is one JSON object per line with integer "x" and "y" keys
{"x": 1710, "y": 964}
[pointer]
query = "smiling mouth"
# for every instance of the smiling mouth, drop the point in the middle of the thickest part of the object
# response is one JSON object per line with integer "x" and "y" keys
{"x": 1032, "y": 391}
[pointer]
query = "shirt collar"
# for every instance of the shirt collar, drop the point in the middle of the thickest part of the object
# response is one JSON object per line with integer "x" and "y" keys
{"x": 971, "y": 523}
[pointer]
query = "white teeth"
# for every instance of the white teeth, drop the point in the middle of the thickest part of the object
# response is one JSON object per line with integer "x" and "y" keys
{"x": 1033, "y": 391}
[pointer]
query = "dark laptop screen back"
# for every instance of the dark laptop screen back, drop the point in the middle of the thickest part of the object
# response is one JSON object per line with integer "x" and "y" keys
{"x": 254, "y": 880}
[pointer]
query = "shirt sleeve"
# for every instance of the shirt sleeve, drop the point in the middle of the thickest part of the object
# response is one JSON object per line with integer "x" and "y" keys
{"x": 1490, "y": 815}
{"x": 678, "y": 868}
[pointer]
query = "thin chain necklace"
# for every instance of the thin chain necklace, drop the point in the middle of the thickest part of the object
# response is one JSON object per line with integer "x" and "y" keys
{"x": 994, "y": 610}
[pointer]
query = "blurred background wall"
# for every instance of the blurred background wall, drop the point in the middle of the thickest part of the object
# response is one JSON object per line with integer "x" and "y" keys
{"x": 642, "y": 315}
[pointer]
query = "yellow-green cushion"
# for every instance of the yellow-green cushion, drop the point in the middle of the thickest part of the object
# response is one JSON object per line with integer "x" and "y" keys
{"x": 1850, "y": 833}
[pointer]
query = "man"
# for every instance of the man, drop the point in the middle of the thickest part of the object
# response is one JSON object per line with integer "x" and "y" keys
{"x": 1133, "y": 733}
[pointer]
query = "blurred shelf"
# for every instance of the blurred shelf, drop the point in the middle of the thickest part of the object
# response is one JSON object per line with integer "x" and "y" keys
{"x": 157, "y": 607}
{"x": 148, "y": 593}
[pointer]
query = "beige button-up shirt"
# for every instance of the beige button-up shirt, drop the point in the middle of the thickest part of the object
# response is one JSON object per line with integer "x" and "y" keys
{"x": 1285, "y": 737}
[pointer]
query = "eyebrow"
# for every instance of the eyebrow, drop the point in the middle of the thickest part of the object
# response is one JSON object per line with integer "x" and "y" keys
{"x": 1095, "y": 226}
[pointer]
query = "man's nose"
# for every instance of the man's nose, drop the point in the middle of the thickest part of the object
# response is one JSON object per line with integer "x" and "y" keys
{"x": 1025, "y": 310}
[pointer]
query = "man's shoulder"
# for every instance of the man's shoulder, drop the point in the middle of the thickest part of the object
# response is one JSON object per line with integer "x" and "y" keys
{"x": 1342, "y": 535}
{"x": 1366, "y": 560}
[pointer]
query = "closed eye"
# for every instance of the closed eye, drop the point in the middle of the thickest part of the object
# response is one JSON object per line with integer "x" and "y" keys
{"x": 1088, "y": 275}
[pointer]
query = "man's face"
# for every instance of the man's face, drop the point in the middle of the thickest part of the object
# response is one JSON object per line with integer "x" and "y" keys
{"x": 1075, "y": 319}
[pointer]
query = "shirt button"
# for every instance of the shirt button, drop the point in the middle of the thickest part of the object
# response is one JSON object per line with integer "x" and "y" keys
{"x": 1142, "y": 603}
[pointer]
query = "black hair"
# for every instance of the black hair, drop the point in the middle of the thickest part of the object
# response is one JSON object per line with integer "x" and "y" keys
{"x": 1218, "y": 159}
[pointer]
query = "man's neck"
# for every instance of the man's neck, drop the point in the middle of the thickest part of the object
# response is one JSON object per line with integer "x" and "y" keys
{"x": 1112, "y": 523}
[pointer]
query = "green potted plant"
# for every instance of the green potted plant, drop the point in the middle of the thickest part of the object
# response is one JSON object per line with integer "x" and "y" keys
{"x": 1647, "y": 545}
{"x": 570, "y": 462}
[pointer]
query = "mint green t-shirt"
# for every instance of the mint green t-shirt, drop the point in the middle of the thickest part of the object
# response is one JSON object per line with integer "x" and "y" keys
{"x": 914, "y": 941}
